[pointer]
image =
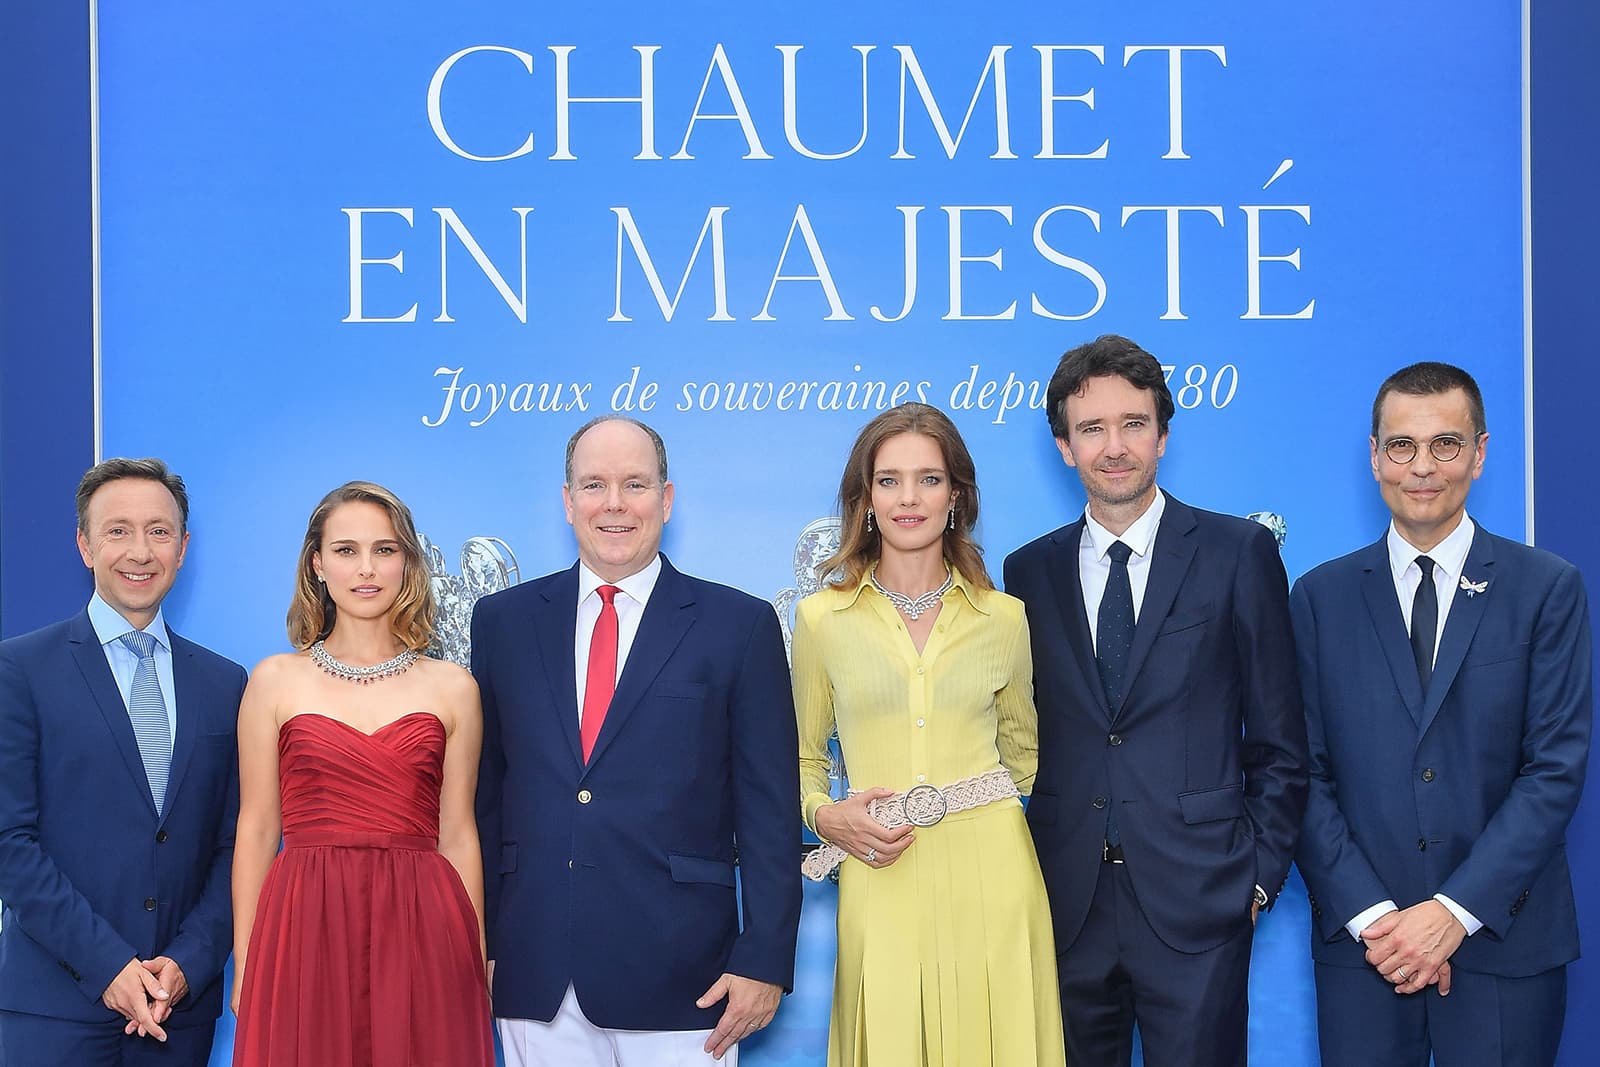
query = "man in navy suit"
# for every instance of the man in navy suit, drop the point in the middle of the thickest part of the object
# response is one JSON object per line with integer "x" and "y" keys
{"x": 1448, "y": 703}
{"x": 639, "y": 749}
{"x": 118, "y": 794}
{"x": 1171, "y": 739}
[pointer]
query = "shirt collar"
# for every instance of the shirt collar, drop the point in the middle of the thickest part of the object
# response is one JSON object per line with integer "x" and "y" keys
{"x": 1449, "y": 555}
{"x": 958, "y": 581}
{"x": 637, "y": 585}
{"x": 1140, "y": 536}
{"x": 109, "y": 625}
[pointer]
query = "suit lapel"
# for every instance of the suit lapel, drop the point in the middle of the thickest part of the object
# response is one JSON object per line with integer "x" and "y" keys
{"x": 1169, "y": 563}
{"x": 1068, "y": 589}
{"x": 1377, "y": 587}
{"x": 1461, "y": 624}
{"x": 186, "y": 687}
{"x": 667, "y": 618}
{"x": 555, "y": 621}
{"x": 102, "y": 687}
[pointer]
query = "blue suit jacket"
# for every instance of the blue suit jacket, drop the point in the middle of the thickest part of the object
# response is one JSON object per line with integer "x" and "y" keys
{"x": 91, "y": 877}
{"x": 1206, "y": 757}
{"x": 617, "y": 877}
{"x": 1467, "y": 792}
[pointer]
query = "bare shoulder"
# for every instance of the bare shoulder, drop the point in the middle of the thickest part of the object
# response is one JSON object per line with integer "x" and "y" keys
{"x": 451, "y": 687}
{"x": 281, "y": 665}
{"x": 449, "y": 677}
{"x": 274, "y": 684}
{"x": 280, "y": 672}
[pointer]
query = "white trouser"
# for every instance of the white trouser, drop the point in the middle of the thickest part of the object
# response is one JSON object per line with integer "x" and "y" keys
{"x": 571, "y": 1040}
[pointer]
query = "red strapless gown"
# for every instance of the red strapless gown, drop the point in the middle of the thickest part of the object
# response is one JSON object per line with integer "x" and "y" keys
{"x": 365, "y": 947}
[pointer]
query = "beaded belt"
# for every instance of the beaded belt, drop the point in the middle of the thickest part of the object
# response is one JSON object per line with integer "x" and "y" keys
{"x": 921, "y": 805}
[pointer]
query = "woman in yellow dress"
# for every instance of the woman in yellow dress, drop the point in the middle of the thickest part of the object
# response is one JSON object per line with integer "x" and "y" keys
{"x": 945, "y": 958}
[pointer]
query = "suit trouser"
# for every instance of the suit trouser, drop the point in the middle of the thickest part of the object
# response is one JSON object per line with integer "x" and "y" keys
{"x": 1486, "y": 1020}
{"x": 571, "y": 1040}
{"x": 42, "y": 1041}
{"x": 1191, "y": 1008}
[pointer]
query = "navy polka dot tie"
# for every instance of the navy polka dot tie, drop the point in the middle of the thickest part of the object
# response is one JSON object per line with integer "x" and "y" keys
{"x": 1114, "y": 628}
{"x": 1113, "y": 638}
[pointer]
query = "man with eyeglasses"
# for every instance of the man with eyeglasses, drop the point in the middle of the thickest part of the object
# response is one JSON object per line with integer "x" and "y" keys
{"x": 1448, "y": 705}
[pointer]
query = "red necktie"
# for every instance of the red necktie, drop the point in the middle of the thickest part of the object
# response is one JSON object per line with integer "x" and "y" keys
{"x": 601, "y": 679}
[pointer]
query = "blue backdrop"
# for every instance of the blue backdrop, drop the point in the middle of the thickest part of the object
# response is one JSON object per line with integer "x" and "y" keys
{"x": 1315, "y": 199}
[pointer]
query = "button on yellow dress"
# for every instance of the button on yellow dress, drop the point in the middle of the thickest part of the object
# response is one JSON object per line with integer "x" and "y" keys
{"x": 946, "y": 957}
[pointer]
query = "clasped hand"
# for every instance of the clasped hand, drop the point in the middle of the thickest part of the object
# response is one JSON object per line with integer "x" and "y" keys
{"x": 1412, "y": 948}
{"x": 849, "y": 824}
{"x": 144, "y": 993}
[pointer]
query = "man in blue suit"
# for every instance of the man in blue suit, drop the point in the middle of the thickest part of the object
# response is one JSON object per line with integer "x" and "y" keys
{"x": 639, "y": 749}
{"x": 1171, "y": 740}
{"x": 1448, "y": 703}
{"x": 118, "y": 795}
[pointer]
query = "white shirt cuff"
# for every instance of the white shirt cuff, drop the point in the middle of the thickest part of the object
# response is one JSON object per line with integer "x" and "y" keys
{"x": 1359, "y": 924}
{"x": 1463, "y": 916}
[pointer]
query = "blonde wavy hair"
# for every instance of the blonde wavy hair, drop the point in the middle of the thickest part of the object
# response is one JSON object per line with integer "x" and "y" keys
{"x": 860, "y": 547}
{"x": 312, "y": 611}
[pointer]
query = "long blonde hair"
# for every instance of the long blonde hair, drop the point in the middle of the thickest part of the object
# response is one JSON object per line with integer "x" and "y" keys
{"x": 860, "y": 547}
{"x": 312, "y": 611}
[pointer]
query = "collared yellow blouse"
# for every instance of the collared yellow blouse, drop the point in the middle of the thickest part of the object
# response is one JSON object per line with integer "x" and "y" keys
{"x": 963, "y": 707}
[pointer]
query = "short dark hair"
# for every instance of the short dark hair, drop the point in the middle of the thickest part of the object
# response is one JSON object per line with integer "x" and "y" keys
{"x": 116, "y": 469}
{"x": 1430, "y": 378}
{"x": 655, "y": 439}
{"x": 1107, "y": 355}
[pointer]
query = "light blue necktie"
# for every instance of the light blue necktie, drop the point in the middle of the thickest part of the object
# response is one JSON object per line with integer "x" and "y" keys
{"x": 149, "y": 714}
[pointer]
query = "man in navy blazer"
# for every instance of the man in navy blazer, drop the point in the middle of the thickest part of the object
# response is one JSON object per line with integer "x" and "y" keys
{"x": 1171, "y": 739}
{"x": 618, "y": 933}
{"x": 118, "y": 795}
{"x": 1449, "y": 704}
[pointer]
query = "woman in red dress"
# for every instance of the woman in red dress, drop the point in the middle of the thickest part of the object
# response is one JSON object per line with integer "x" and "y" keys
{"x": 361, "y": 943}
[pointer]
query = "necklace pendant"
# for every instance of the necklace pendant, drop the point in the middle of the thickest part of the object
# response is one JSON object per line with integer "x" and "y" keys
{"x": 913, "y": 607}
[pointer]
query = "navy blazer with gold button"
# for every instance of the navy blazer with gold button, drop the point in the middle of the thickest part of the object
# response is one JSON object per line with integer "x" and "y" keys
{"x": 617, "y": 876}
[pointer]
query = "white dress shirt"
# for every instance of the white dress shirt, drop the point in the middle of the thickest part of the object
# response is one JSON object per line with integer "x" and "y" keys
{"x": 636, "y": 589}
{"x": 109, "y": 626}
{"x": 1449, "y": 558}
{"x": 1094, "y": 565}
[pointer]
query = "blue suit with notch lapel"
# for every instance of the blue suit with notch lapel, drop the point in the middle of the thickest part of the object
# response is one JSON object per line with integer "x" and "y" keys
{"x": 1205, "y": 759}
{"x": 1466, "y": 791}
{"x": 617, "y": 877}
{"x": 90, "y": 875}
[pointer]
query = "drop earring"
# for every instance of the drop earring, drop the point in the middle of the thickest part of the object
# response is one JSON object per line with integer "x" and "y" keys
{"x": 869, "y": 520}
{"x": 952, "y": 516}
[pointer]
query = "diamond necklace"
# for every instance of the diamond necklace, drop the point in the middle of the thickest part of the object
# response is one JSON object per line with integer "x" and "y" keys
{"x": 362, "y": 675}
{"x": 912, "y": 606}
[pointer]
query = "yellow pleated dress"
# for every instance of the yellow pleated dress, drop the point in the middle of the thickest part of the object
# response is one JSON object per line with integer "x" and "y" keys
{"x": 946, "y": 957}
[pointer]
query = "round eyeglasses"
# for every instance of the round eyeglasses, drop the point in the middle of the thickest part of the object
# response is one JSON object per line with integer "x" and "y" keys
{"x": 1444, "y": 448}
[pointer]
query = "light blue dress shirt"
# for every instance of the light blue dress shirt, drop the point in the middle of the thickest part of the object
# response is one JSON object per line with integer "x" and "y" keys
{"x": 109, "y": 626}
